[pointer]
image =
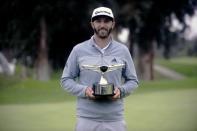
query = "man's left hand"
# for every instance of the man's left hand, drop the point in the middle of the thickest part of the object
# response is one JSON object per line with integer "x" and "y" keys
{"x": 117, "y": 94}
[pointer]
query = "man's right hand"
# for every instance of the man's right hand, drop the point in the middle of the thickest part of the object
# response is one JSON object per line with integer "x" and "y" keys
{"x": 89, "y": 93}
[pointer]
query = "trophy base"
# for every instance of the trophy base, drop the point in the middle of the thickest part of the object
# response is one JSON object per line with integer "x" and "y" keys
{"x": 103, "y": 89}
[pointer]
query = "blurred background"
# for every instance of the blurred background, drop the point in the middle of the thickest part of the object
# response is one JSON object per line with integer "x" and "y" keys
{"x": 37, "y": 36}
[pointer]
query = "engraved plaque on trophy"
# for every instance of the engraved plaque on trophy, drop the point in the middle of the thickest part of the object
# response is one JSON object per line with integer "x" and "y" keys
{"x": 103, "y": 87}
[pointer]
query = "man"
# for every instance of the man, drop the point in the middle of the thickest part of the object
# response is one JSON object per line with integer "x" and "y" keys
{"x": 100, "y": 50}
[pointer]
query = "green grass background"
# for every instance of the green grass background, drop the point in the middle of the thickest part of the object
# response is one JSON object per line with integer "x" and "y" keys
{"x": 160, "y": 105}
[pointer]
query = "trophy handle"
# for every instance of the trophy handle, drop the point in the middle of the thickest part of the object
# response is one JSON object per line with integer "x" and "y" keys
{"x": 115, "y": 67}
{"x": 92, "y": 67}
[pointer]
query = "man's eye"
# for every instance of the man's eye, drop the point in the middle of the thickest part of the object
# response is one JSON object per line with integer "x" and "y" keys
{"x": 106, "y": 21}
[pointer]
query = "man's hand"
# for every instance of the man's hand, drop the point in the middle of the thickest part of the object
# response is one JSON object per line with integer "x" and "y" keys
{"x": 89, "y": 93}
{"x": 117, "y": 94}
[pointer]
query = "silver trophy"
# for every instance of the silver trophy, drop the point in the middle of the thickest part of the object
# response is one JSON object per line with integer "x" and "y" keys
{"x": 103, "y": 88}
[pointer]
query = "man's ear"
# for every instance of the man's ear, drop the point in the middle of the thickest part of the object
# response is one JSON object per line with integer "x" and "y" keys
{"x": 113, "y": 24}
{"x": 92, "y": 25}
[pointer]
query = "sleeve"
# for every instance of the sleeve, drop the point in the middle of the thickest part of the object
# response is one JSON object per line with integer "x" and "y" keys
{"x": 129, "y": 75}
{"x": 69, "y": 75}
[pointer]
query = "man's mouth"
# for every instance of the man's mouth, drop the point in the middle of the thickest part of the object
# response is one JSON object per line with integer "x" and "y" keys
{"x": 102, "y": 29}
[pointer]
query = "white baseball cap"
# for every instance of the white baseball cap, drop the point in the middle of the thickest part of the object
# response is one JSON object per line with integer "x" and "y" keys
{"x": 102, "y": 11}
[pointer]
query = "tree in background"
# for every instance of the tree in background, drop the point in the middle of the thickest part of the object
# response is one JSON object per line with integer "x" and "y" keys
{"x": 149, "y": 22}
{"x": 65, "y": 23}
{"x": 42, "y": 30}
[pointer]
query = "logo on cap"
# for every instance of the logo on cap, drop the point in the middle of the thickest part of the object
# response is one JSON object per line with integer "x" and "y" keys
{"x": 102, "y": 11}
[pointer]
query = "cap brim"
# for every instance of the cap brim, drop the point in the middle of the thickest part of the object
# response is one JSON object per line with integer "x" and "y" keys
{"x": 102, "y": 16}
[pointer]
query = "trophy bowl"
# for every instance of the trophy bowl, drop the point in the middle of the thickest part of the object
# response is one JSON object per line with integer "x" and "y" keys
{"x": 103, "y": 89}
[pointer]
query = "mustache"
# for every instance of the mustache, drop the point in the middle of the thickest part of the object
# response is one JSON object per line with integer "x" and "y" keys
{"x": 102, "y": 29}
{"x": 97, "y": 32}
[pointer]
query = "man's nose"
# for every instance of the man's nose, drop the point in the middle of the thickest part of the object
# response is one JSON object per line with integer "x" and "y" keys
{"x": 102, "y": 23}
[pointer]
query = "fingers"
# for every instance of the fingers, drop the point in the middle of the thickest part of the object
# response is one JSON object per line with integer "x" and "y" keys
{"x": 117, "y": 94}
{"x": 89, "y": 93}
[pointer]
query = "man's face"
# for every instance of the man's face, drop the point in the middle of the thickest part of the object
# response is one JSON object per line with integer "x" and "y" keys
{"x": 102, "y": 26}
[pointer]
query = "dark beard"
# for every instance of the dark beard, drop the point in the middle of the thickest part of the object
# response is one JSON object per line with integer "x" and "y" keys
{"x": 103, "y": 37}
